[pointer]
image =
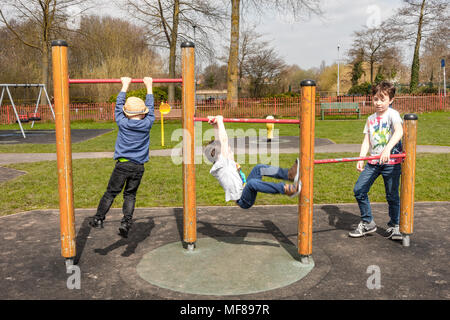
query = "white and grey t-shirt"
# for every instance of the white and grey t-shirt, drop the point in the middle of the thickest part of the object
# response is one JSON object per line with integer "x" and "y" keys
{"x": 380, "y": 130}
{"x": 225, "y": 171}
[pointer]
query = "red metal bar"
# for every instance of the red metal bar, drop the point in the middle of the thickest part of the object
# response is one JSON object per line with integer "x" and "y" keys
{"x": 281, "y": 121}
{"x": 322, "y": 161}
{"x": 86, "y": 81}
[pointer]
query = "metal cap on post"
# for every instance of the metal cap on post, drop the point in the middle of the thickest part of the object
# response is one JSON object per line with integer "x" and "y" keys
{"x": 408, "y": 177}
{"x": 188, "y": 102}
{"x": 305, "y": 206}
{"x": 63, "y": 149}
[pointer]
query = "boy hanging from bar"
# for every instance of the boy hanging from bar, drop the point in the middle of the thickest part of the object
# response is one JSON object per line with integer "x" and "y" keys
{"x": 231, "y": 178}
{"x": 383, "y": 133}
{"x": 135, "y": 118}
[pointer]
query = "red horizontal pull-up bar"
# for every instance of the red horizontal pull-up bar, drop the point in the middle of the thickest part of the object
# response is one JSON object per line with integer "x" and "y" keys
{"x": 282, "y": 121}
{"x": 87, "y": 81}
{"x": 322, "y": 161}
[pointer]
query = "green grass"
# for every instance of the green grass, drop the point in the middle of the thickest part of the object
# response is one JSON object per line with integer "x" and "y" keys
{"x": 162, "y": 183}
{"x": 433, "y": 129}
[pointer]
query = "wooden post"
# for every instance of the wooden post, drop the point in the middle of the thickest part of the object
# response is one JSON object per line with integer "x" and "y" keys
{"x": 305, "y": 206}
{"x": 408, "y": 177}
{"x": 63, "y": 149}
{"x": 188, "y": 98}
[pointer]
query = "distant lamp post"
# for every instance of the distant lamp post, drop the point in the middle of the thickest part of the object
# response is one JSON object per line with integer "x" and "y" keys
{"x": 338, "y": 73}
{"x": 443, "y": 71}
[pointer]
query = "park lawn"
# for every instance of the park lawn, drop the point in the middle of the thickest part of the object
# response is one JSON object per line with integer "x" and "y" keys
{"x": 162, "y": 183}
{"x": 433, "y": 129}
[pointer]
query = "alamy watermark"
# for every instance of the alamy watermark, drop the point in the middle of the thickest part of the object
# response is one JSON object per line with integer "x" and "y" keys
{"x": 74, "y": 280}
{"x": 374, "y": 280}
{"x": 249, "y": 146}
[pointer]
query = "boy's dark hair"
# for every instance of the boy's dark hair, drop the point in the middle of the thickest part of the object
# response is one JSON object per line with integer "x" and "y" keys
{"x": 385, "y": 88}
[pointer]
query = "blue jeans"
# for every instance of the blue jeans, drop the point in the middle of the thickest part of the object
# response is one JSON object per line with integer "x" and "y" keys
{"x": 255, "y": 184}
{"x": 391, "y": 176}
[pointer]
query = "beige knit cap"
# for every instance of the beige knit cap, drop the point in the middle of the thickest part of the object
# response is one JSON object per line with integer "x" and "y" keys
{"x": 134, "y": 106}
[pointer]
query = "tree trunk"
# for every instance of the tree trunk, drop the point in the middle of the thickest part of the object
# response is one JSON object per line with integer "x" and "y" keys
{"x": 232, "y": 75}
{"x": 44, "y": 71}
{"x": 173, "y": 49}
{"x": 415, "y": 67}
{"x": 372, "y": 62}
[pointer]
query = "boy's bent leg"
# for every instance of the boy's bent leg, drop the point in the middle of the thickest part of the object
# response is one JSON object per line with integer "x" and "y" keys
{"x": 115, "y": 185}
{"x": 254, "y": 186}
{"x": 261, "y": 170}
{"x": 362, "y": 187}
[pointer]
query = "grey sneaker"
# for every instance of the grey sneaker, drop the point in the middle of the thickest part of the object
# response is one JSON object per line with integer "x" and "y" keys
{"x": 294, "y": 171}
{"x": 394, "y": 233}
{"x": 362, "y": 229}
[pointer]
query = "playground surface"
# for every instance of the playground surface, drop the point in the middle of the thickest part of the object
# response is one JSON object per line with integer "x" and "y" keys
{"x": 240, "y": 254}
{"x": 47, "y": 136}
{"x": 31, "y": 265}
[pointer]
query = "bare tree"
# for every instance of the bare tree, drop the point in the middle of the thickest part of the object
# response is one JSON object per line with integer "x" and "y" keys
{"x": 107, "y": 47}
{"x": 262, "y": 69}
{"x": 49, "y": 19}
{"x": 167, "y": 21}
{"x": 373, "y": 45}
{"x": 436, "y": 47}
{"x": 419, "y": 18}
{"x": 215, "y": 76}
{"x": 296, "y": 7}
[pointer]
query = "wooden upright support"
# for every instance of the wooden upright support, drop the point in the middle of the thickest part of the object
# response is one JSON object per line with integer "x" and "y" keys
{"x": 63, "y": 148}
{"x": 408, "y": 177}
{"x": 305, "y": 206}
{"x": 188, "y": 101}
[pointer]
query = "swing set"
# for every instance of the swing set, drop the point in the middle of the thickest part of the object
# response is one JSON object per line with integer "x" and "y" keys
{"x": 26, "y": 117}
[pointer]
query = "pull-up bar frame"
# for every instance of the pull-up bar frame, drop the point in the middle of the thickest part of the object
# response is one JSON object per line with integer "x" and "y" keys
{"x": 98, "y": 81}
{"x": 280, "y": 121}
{"x": 64, "y": 151}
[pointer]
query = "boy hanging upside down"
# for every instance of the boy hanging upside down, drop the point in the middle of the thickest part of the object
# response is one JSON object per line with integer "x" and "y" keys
{"x": 232, "y": 179}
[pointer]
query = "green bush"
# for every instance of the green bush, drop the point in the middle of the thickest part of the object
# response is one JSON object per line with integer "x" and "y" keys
{"x": 425, "y": 90}
{"x": 284, "y": 95}
{"x": 159, "y": 93}
{"x": 362, "y": 89}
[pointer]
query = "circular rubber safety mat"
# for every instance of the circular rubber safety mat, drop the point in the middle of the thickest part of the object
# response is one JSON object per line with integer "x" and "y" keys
{"x": 224, "y": 266}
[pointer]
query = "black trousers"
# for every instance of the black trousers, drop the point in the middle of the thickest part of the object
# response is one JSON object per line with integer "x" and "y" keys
{"x": 128, "y": 174}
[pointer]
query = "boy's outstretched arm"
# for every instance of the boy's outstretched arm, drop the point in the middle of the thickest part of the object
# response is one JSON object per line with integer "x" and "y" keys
{"x": 149, "y": 99}
{"x": 125, "y": 83}
{"x": 121, "y": 98}
{"x": 221, "y": 135}
{"x": 364, "y": 149}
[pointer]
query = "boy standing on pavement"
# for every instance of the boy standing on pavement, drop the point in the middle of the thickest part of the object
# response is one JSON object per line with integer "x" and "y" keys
{"x": 383, "y": 132}
{"x": 134, "y": 119}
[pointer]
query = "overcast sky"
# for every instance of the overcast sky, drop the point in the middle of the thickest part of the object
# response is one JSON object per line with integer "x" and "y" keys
{"x": 308, "y": 42}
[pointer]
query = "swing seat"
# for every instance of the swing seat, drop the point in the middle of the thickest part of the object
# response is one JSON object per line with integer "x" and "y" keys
{"x": 22, "y": 118}
{"x": 35, "y": 116}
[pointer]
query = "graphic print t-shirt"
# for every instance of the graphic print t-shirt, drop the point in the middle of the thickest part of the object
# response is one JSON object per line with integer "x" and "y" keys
{"x": 381, "y": 130}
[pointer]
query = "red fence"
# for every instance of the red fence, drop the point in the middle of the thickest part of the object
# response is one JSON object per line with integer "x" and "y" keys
{"x": 243, "y": 108}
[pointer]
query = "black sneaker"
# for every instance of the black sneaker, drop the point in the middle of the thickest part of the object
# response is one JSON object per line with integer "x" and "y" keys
{"x": 124, "y": 228}
{"x": 96, "y": 223}
{"x": 394, "y": 233}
